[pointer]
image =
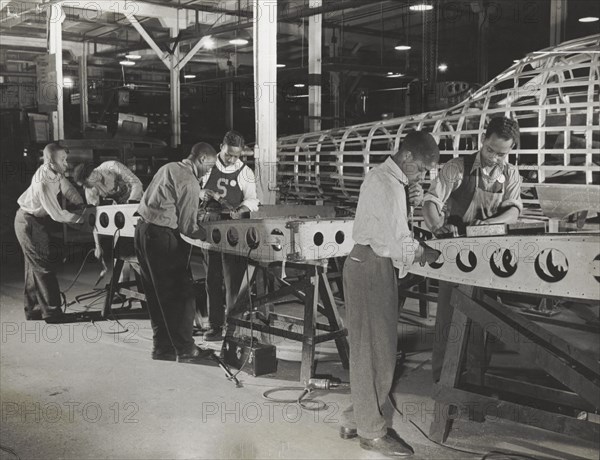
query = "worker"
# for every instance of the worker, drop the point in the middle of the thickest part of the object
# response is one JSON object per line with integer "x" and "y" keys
{"x": 169, "y": 209}
{"x": 382, "y": 241}
{"x": 230, "y": 194}
{"x": 113, "y": 181}
{"x": 38, "y": 207}
{"x": 489, "y": 193}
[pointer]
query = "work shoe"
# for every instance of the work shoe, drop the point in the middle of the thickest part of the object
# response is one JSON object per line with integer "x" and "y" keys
{"x": 196, "y": 356}
{"x": 214, "y": 334}
{"x": 348, "y": 433}
{"x": 390, "y": 445}
{"x": 164, "y": 355}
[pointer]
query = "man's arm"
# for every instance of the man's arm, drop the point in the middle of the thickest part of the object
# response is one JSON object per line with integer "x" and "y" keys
{"x": 448, "y": 180}
{"x": 247, "y": 182}
{"x": 70, "y": 192}
{"x": 50, "y": 204}
{"x": 137, "y": 189}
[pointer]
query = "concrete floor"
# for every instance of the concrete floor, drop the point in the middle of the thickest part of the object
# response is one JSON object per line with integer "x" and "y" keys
{"x": 84, "y": 391}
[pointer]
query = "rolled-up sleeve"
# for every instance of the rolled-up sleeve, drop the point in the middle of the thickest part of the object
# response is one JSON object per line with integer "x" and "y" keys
{"x": 447, "y": 181}
{"x": 69, "y": 191}
{"x": 50, "y": 204}
{"x": 137, "y": 189}
{"x": 512, "y": 191}
{"x": 187, "y": 206}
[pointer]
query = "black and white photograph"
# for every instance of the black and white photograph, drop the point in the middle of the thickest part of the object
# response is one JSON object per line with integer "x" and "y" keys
{"x": 299, "y": 229}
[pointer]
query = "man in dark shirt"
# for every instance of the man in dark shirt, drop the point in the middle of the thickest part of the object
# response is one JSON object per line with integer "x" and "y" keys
{"x": 168, "y": 209}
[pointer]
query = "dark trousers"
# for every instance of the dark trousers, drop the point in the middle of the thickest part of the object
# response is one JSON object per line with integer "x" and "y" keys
{"x": 42, "y": 293}
{"x": 371, "y": 293}
{"x": 167, "y": 282}
{"x": 443, "y": 325}
{"x": 222, "y": 271}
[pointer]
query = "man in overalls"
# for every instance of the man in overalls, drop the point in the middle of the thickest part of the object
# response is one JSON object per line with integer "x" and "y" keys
{"x": 477, "y": 189}
{"x": 229, "y": 192}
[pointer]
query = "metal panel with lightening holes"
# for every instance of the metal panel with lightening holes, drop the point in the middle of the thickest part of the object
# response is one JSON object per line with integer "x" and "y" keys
{"x": 565, "y": 265}
{"x": 112, "y": 220}
{"x": 269, "y": 240}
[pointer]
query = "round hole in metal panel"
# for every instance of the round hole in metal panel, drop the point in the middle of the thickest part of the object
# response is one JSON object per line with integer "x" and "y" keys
{"x": 119, "y": 220}
{"x": 233, "y": 236}
{"x": 216, "y": 235}
{"x": 340, "y": 237}
{"x": 92, "y": 220}
{"x": 318, "y": 238}
{"x": 466, "y": 260}
{"x": 104, "y": 220}
{"x": 252, "y": 238}
{"x": 503, "y": 263}
{"x": 277, "y": 246}
{"x": 551, "y": 265}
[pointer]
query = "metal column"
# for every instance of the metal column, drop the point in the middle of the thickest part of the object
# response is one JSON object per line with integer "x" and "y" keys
{"x": 55, "y": 18}
{"x": 265, "y": 87}
{"x": 558, "y": 17}
{"x": 315, "y": 38}
{"x": 83, "y": 88}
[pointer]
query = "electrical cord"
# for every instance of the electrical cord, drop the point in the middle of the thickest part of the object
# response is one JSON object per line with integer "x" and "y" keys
{"x": 10, "y": 451}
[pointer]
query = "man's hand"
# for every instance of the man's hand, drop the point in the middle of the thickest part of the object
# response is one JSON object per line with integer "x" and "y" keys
{"x": 206, "y": 195}
{"x": 429, "y": 256}
{"x": 235, "y": 215}
{"x": 415, "y": 194}
{"x": 479, "y": 222}
{"x": 446, "y": 230}
{"x": 133, "y": 201}
{"x": 98, "y": 252}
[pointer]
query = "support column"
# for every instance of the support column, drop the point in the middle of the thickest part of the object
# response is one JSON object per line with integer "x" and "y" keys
{"x": 265, "y": 97}
{"x": 83, "y": 88}
{"x": 55, "y": 18}
{"x": 229, "y": 103}
{"x": 315, "y": 39}
{"x": 558, "y": 17}
{"x": 175, "y": 90}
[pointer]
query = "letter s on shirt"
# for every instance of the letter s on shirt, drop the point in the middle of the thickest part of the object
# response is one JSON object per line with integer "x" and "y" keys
{"x": 221, "y": 185}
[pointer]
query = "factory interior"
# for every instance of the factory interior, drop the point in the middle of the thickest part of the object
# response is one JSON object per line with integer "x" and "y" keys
{"x": 300, "y": 229}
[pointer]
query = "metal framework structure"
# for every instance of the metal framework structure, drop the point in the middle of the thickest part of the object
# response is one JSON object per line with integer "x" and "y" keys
{"x": 553, "y": 94}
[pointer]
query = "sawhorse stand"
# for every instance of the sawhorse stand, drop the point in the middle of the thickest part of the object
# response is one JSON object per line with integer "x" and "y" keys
{"x": 465, "y": 380}
{"x": 124, "y": 253}
{"x": 312, "y": 288}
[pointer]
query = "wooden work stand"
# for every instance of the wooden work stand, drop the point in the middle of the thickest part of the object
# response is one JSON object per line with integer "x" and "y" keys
{"x": 312, "y": 288}
{"x": 466, "y": 388}
{"x": 123, "y": 253}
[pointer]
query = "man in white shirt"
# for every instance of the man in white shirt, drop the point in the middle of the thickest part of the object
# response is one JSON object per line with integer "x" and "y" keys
{"x": 230, "y": 193}
{"x": 38, "y": 205}
{"x": 113, "y": 181}
{"x": 383, "y": 241}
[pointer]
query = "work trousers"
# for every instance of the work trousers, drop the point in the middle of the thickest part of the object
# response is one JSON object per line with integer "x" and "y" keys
{"x": 371, "y": 293}
{"x": 443, "y": 325}
{"x": 166, "y": 278}
{"x": 42, "y": 293}
{"x": 222, "y": 271}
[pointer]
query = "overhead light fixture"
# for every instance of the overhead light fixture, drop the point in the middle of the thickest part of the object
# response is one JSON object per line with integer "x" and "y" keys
{"x": 127, "y": 63}
{"x": 133, "y": 57}
{"x": 68, "y": 82}
{"x": 281, "y": 66}
{"x": 588, "y": 19}
{"x": 299, "y": 85}
{"x": 402, "y": 47}
{"x": 390, "y": 73}
{"x": 189, "y": 76}
{"x": 209, "y": 44}
{"x": 420, "y": 7}
{"x": 394, "y": 75}
{"x": 238, "y": 41}
{"x": 515, "y": 61}
{"x": 443, "y": 67}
